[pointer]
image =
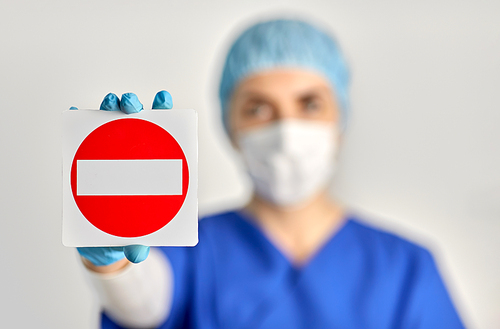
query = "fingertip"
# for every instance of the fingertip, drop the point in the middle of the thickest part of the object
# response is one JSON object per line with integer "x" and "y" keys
{"x": 136, "y": 253}
{"x": 111, "y": 102}
{"x": 130, "y": 103}
{"x": 162, "y": 100}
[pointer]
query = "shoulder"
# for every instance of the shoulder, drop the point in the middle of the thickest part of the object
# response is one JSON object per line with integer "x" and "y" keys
{"x": 226, "y": 223}
{"x": 224, "y": 220}
{"x": 391, "y": 260}
{"x": 381, "y": 238}
{"x": 387, "y": 248}
{"x": 210, "y": 230}
{"x": 403, "y": 274}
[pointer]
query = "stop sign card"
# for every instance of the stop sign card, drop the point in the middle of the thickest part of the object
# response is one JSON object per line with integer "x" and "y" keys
{"x": 130, "y": 178}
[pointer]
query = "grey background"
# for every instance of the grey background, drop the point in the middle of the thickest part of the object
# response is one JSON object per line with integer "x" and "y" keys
{"x": 421, "y": 155}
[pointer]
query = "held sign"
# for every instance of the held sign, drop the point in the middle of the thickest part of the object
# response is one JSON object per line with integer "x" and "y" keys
{"x": 130, "y": 179}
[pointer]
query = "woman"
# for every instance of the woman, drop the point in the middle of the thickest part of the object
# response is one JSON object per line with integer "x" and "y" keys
{"x": 292, "y": 258}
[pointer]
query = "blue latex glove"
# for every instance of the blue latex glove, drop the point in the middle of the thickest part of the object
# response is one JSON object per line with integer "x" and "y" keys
{"x": 163, "y": 100}
{"x": 131, "y": 104}
{"x": 102, "y": 256}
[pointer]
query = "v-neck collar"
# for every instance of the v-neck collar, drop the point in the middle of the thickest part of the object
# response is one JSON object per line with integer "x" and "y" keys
{"x": 247, "y": 219}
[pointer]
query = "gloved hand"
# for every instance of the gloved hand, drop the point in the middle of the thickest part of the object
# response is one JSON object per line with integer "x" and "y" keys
{"x": 130, "y": 103}
{"x": 102, "y": 256}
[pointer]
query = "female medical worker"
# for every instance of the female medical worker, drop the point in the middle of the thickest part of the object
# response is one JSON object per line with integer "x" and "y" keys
{"x": 292, "y": 258}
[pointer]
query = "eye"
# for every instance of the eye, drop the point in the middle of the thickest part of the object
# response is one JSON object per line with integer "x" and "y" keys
{"x": 311, "y": 105}
{"x": 259, "y": 111}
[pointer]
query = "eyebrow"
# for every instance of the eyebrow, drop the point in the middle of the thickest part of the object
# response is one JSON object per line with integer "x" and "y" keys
{"x": 251, "y": 96}
{"x": 300, "y": 94}
{"x": 314, "y": 91}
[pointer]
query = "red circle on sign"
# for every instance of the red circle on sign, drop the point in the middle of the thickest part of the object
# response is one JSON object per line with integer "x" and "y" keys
{"x": 129, "y": 215}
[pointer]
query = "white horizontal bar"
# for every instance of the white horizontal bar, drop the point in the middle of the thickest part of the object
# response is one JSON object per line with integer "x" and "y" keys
{"x": 129, "y": 177}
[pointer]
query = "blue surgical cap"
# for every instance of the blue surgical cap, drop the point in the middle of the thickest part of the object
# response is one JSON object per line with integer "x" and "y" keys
{"x": 288, "y": 44}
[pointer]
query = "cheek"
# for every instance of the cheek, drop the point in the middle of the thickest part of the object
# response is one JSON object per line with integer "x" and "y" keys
{"x": 336, "y": 112}
{"x": 328, "y": 114}
{"x": 235, "y": 115}
{"x": 336, "y": 115}
{"x": 235, "y": 122}
{"x": 235, "y": 125}
{"x": 333, "y": 111}
{"x": 232, "y": 127}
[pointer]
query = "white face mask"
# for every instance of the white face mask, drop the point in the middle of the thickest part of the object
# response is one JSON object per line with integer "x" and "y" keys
{"x": 289, "y": 161}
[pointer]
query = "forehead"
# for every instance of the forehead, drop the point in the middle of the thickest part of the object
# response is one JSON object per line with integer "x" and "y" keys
{"x": 282, "y": 82}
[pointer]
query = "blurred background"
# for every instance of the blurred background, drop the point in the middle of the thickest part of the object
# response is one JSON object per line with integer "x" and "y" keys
{"x": 421, "y": 156}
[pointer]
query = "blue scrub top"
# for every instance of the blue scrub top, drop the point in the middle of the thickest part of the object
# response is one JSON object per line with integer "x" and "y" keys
{"x": 361, "y": 278}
